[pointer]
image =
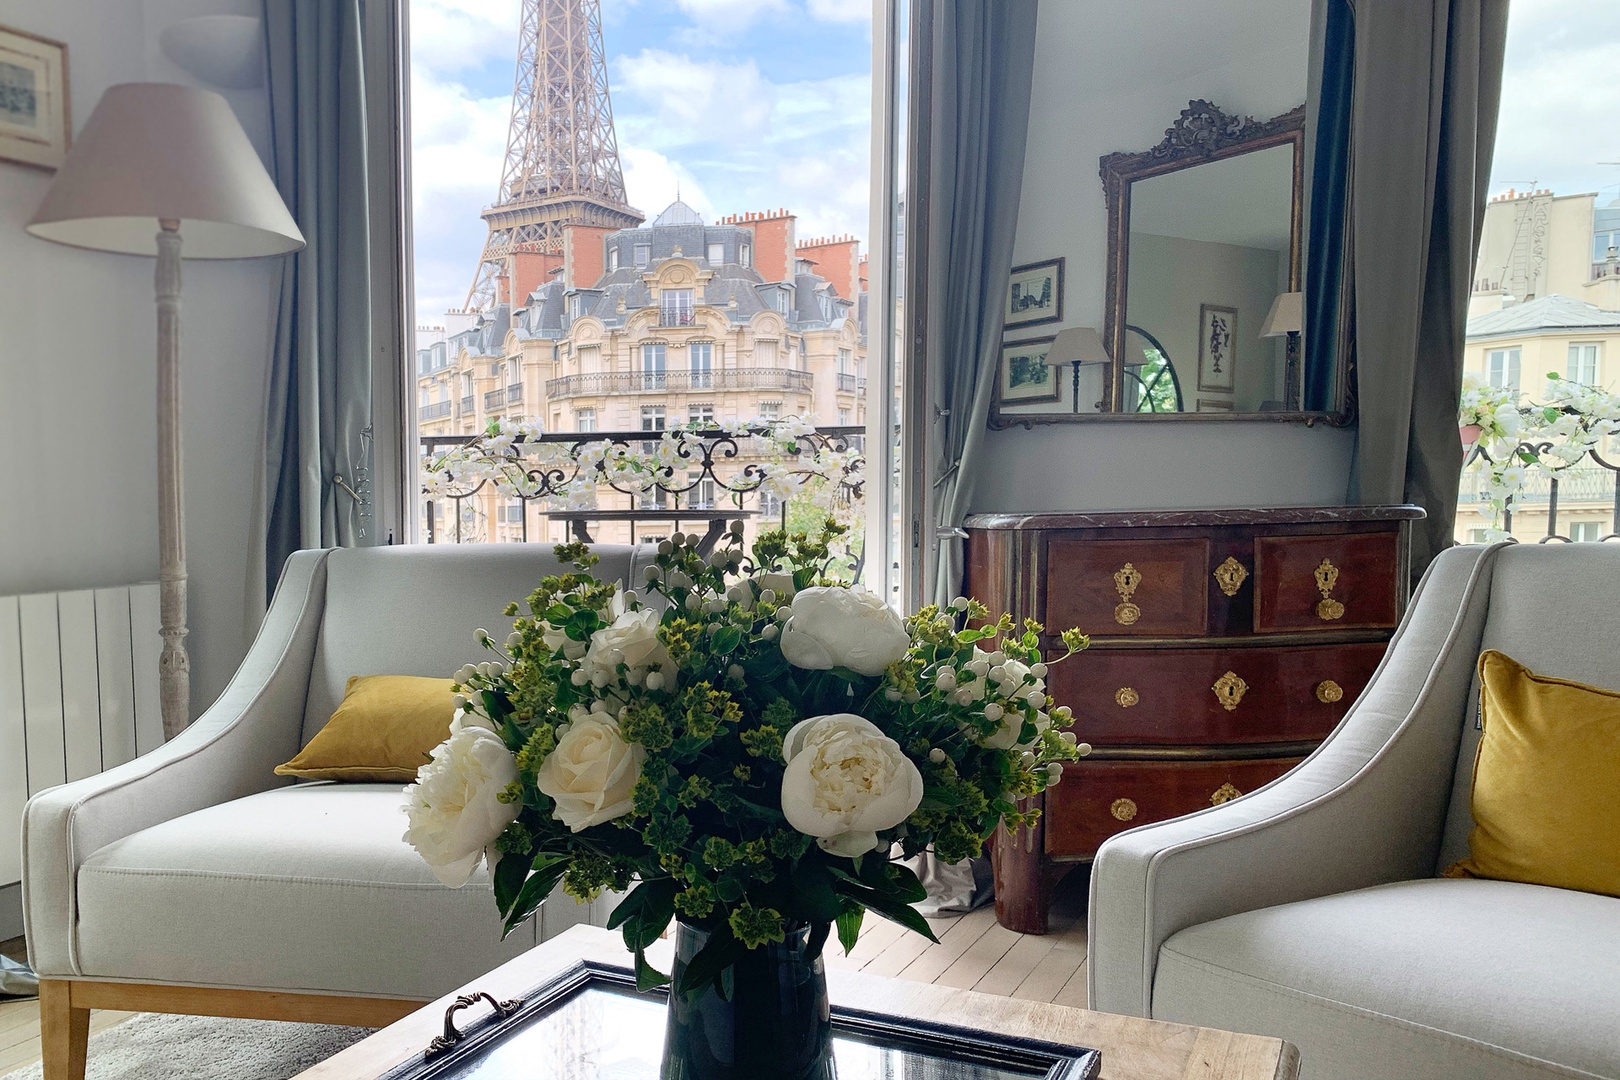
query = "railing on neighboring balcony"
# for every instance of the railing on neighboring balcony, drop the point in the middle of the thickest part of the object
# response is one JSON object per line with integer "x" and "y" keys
{"x": 1577, "y": 482}
{"x": 494, "y": 399}
{"x": 714, "y": 477}
{"x": 851, "y": 384}
{"x": 466, "y": 405}
{"x": 438, "y": 410}
{"x": 631, "y": 382}
{"x": 676, "y": 317}
{"x": 514, "y": 394}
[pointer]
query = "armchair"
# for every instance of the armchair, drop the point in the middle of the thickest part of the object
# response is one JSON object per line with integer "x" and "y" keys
{"x": 1311, "y": 910}
{"x": 194, "y": 880}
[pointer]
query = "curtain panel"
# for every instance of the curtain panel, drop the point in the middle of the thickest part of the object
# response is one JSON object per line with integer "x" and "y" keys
{"x": 1427, "y": 83}
{"x": 983, "y": 63}
{"x": 330, "y": 388}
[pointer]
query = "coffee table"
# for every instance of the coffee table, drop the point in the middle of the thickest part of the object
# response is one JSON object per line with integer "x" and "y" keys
{"x": 1132, "y": 1048}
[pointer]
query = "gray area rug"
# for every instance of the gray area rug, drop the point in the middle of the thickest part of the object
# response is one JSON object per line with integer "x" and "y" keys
{"x": 155, "y": 1047}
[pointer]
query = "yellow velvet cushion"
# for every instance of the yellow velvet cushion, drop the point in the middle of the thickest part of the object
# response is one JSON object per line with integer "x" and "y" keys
{"x": 1546, "y": 796}
{"x": 382, "y": 731}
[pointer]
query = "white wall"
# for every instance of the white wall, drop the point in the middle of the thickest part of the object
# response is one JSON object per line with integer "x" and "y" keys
{"x": 1108, "y": 77}
{"x": 78, "y": 472}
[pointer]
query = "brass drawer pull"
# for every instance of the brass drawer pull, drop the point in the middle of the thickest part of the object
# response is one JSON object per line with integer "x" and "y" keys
{"x": 1229, "y": 690}
{"x": 1231, "y": 575}
{"x": 1327, "y": 576}
{"x": 1122, "y": 809}
{"x": 1126, "y": 580}
{"x": 1328, "y": 691}
{"x": 1125, "y": 697}
{"x": 1224, "y": 793}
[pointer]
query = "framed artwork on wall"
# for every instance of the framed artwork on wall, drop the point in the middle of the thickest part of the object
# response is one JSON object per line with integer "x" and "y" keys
{"x": 1026, "y": 376}
{"x": 34, "y": 119}
{"x": 1217, "y": 348}
{"x": 1035, "y": 294}
{"x": 1214, "y": 404}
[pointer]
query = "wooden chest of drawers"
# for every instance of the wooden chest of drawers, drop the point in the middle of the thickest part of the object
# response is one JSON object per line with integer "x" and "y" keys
{"x": 1226, "y": 644}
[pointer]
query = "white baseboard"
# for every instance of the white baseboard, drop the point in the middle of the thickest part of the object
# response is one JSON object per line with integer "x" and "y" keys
{"x": 11, "y": 919}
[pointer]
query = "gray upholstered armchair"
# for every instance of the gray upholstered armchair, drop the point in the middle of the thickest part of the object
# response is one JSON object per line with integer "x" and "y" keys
{"x": 1311, "y": 909}
{"x": 195, "y": 880}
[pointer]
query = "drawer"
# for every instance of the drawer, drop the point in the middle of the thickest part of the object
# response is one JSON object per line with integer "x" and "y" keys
{"x": 1100, "y": 798}
{"x": 1149, "y": 588}
{"x": 1334, "y": 582}
{"x": 1169, "y": 697}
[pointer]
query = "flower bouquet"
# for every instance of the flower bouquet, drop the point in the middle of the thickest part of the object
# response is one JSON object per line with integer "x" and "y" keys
{"x": 746, "y": 749}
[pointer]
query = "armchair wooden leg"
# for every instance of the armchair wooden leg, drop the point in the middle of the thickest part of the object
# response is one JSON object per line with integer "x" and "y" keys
{"x": 64, "y": 1031}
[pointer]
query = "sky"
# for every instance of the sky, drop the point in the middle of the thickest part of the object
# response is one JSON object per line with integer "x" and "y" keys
{"x": 1558, "y": 120}
{"x": 746, "y": 105}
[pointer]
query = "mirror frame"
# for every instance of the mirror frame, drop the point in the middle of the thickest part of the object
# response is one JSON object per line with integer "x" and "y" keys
{"x": 1201, "y": 134}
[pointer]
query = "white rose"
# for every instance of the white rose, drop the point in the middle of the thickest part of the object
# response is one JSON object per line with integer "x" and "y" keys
{"x": 452, "y": 808}
{"x": 632, "y": 640}
{"x": 556, "y": 638}
{"x": 831, "y": 626}
{"x": 845, "y": 782}
{"x": 781, "y": 584}
{"x": 1005, "y": 737}
{"x": 590, "y": 773}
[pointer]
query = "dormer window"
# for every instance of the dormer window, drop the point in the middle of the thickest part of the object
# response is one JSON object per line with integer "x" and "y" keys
{"x": 745, "y": 254}
{"x": 783, "y": 301}
{"x": 613, "y": 258}
{"x": 643, "y": 255}
{"x": 717, "y": 253}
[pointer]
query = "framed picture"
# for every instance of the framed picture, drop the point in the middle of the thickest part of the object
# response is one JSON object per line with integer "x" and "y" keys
{"x": 34, "y": 119}
{"x": 1025, "y": 375}
{"x": 1217, "y": 348}
{"x": 1035, "y": 294}
{"x": 1214, "y": 404}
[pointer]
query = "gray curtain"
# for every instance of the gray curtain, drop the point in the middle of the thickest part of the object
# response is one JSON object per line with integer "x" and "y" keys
{"x": 984, "y": 57}
{"x": 318, "y": 407}
{"x": 1428, "y": 78}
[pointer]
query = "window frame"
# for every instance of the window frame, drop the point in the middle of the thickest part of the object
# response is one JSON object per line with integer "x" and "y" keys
{"x": 1593, "y": 351}
{"x": 1512, "y": 367}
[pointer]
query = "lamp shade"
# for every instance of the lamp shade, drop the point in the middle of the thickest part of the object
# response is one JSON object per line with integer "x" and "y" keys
{"x": 1077, "y": 343}
{"x": 152, "y": 152}
{"x": 1287, "y": 315}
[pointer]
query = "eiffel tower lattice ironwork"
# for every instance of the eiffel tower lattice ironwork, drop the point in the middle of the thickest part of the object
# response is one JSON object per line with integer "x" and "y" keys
{"x": 562, "y": 158}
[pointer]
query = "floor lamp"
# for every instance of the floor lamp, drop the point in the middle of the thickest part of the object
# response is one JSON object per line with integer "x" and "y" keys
{"x": 1287, "y": 319}
{"x": 153, "y": 161}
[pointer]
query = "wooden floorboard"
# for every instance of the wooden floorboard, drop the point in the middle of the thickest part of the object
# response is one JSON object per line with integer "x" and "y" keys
{"x": 974, "y": 952}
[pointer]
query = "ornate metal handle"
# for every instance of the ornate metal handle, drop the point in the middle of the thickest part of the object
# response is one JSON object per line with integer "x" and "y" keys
{"x": 1122, "y": 809}
{"x": 1229, "y": 690}
{"x": 1328, "y": 691}
{"x": 1126, "y": 580}
{"x": 1231, "y": 575}
{"x": 1327, "y": 608}
{"x": 1126, "y": 696}
{"x": 451, "y": 1036}
{"x": 1224, "y": 793}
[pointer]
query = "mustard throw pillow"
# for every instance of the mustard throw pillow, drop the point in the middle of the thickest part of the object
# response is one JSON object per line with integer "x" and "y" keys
{"x": 382, "y": 732}
{"x": 1546, "y": 780}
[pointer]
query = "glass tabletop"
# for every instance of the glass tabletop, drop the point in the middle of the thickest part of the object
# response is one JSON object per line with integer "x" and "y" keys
{"x": 604, "y": 1032}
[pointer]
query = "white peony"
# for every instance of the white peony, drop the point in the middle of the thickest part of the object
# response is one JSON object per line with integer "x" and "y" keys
{"x": 631, "y": 639}
{"x": 556, "y": 638}
{"x": 590, "y": 773}
{"x": 453, "y": 809}
{"x": 846, "y": 781}
{"x": 833, "y": 626}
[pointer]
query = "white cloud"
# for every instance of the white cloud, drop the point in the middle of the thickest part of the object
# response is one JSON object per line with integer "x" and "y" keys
{"x": 452, "y": 35}
{"x": 850, "y": 11}
{"x": 691, "y": 100}
{"x": 651, "y": 181}
{"x": 728, "y": 17}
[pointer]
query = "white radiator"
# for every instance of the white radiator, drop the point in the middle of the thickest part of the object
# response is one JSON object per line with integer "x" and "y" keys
{"x": 78, "y": 694}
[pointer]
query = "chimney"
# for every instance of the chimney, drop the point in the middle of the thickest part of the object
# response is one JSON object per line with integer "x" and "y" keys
{"x": 838, "y": 259}
{"x": 530, "y": 270}
{"x": 584, "y": 257}
{"x": 773, "y": 244}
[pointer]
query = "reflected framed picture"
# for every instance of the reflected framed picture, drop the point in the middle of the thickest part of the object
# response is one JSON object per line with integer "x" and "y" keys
{"x": 1035, "y": 294}
{"x": 34, "y": 119}
{"x": 1026, "y": 377}
{"x": 1217, "y": 348}
{"x": 1214, "y": 404}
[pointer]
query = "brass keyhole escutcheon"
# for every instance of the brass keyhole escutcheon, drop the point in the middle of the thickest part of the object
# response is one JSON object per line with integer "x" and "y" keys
{"x": 1122, "y": 809}
{"x": 1125, "y": 697}
{"x": 1328, "y": 691}
{"x": 1224, "y": 793}
{"x": 1126, "y": 580}
{"x": 1229, "y": 690}
{"x": 1231, "y": 575}
{"x": 1327, "y": 577}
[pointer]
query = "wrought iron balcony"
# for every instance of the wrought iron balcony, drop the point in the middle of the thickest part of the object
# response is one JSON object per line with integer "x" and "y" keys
{"x": 851, "y": 384}
{"x": 494, "y": 399}
{"x": 437, "y": 410}
{"x": 676, "y": 317}
{"x": 466, "y": 406}
{"x": 637, "y": 382}
{"x": 1590, "y": 480}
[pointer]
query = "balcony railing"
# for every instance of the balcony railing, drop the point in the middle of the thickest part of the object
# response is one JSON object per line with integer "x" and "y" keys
{"x": 851, "y": 384}
{"x": 438, "y": 410}
{"x": 636, "y": 382}
{"x": 676, "y": 317}
{"x": 1588, "y": 481}
{"x": 466, "y": 405}
{"x": 501, "y": 397}
{"x": 708, "y": 477}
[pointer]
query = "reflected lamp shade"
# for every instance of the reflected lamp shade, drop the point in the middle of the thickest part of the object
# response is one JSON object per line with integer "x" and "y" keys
{"x": 154, "y": 152}
{"x": 1077, "y": 343}
{"x": 1287, "y": 315}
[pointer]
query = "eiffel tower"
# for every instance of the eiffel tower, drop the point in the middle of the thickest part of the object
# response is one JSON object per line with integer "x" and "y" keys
{"x": 562, "y": 158}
